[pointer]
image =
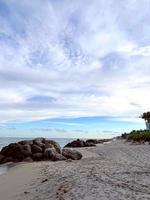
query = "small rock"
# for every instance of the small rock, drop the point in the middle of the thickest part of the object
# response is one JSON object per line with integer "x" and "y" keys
{"x": 45, "y": 180}
{"x": 25, "y": 192}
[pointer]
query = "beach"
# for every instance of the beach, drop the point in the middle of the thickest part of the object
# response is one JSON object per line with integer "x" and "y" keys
{"x": 114, "y": 171}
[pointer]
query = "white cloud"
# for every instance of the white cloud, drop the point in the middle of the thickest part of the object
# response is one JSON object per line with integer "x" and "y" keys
{"x": 86, "y": 56}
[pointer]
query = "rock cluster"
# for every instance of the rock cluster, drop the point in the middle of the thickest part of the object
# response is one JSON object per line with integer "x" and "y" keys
{"x": 36, "y": 150}
{"x": 80, "y": 143}
{"x": 88, "y": 143}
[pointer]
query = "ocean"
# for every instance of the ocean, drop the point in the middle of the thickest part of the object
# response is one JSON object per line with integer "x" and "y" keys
{"x": 7, "y": 140}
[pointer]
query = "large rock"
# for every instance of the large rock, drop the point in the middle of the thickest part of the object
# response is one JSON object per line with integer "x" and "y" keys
{"x": 37, "y": 156}
{"x": 48, "y": 146}
{"x": 9, "y": 159}
{"x": 76, "y": 143}
{"x": 52, "y": 154}
{"x": 26, "y": 150}
{"x": 80, "y": 143}
{"x": 90, "y": 144}
{"x": 92, "y": 141}
{"x": 1, "y": 158}
{"x": 14, "y": 150}
{"x": 71, "y": 154}
{"x": 28, "y": 159}
{"x": 36, "y": 149}
{"x": 23, "y": 142}
{"x": 39, "y": 142}
{"x": 59, "y": 157}
{"x": 54, "y": 144}
{"x": 46, "y": 143}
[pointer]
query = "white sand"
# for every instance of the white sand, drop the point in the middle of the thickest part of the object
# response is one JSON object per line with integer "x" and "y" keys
{"x": 115, "y": 171}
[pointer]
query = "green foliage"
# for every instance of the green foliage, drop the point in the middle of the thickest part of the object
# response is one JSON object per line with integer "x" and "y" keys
{"x": 140, "y": 135}
{"x": 146, "y": 116}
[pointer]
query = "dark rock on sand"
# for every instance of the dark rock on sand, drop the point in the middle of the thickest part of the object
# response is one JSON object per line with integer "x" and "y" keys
{"x": 49, "y": 153}
{"x": 1, "y": 158}
{"x": 94, "y": 141}
{"x": 59, "y": 157}
{"x": 36, "y": 150}
{"x": 97, "y": 141}
{"x": 80, "y": 143}
{"x": 27, "y": 150}
{"x": 71, "y": 154}
{"x": 76, "y": 143}
{"x": 8, "y": 159}
{"x": 23, "y": 142}
{"x": 14, "y": 150}
{"x": 47, "y": 146}
{"x": 37, "y": 156}
{"x": 28, "y": 159}
{"x": 39, "y": 142}
{"x": 46, "y": 143}
{"x": 54, "y": 144}
{"x": 52, "y": 154}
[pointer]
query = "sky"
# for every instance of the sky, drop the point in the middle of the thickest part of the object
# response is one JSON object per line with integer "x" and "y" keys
{"x": 73, "y": 68}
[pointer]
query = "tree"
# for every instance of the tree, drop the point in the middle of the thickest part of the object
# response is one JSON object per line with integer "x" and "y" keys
{"x": 146, "y": 117}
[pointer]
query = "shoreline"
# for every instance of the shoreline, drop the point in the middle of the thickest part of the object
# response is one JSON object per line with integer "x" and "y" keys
{"x": 4, "y": 168}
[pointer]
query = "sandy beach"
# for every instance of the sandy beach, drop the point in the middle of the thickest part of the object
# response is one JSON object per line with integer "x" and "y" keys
{"x": 113, "y": 171}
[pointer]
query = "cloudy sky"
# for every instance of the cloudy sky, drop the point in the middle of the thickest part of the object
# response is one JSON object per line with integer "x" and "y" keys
{"x": 73, "y": 68}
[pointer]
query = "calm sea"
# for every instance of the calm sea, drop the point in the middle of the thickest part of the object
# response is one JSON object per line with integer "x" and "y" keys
{"x": 7, "y": 140}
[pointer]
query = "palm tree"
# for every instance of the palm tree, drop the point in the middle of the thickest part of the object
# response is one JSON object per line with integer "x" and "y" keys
{"x": 146, "y": 117}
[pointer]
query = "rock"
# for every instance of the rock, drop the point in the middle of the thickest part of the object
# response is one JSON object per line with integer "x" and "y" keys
{"x": 54, "y": 144}
{"x": 46, "y": 146}
{"x": 26, "y": 192}
{"x": 101, "y": 141}
{"x": 59, "y": 157}
{"x": 76, "y": 143}
{"x": 7, "y": 150}
{"x": 39, "y": 142}
{"x": 28, "y": 159}
{"x": 23, "y": 142}
{"x": 71, "y": 154}
{"x": 27, "y": 147}
{"x": 90, "y": 144}
{"x": 46, "y": 143}
{"x": 45, "y": 180}
{"x": 37, "y": 156}
{"x": 80, "y": 143}
{"x": 14, "y": 150}
{"x": 1, "y": 158}
{"x": 8, "y": 159}
{"x": 36, "y": 149}
{"x": 52, "y": 154}
{"x": 26, "y": 150}
{"x": 94, "y": 141}
{"x": 49, "y": 153}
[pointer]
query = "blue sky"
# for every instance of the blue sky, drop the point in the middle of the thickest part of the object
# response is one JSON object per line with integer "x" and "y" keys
{"x": 73, "y": 68}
